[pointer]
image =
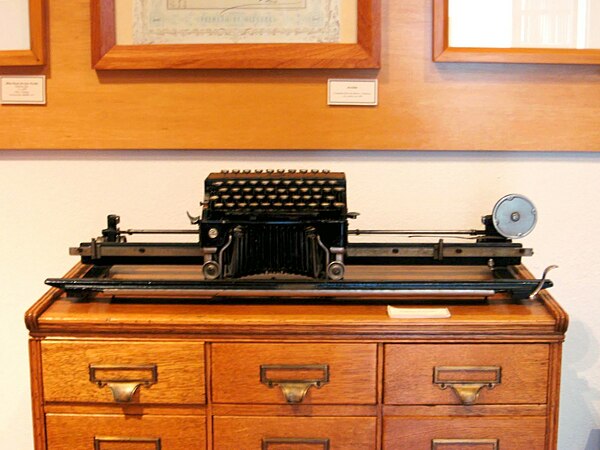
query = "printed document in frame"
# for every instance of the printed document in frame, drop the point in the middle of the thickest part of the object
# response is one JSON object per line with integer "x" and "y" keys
{"x": 235, "y": 21}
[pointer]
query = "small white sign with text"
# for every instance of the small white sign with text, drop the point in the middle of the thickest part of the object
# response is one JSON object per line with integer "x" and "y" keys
{"x": 23, "y": 90}
{"x": 352, "y": 92}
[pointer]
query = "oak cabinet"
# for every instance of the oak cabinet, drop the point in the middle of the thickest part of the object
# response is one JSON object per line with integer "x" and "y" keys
{"x": 110, "y": 374}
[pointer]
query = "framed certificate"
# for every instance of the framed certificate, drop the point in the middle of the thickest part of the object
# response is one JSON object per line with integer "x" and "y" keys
{"x": 22, "y": 32}
{"x": 235, "y": 34}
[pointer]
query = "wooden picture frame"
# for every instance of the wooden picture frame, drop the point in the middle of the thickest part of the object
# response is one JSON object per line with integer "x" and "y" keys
{"x": 108, "y": 55}
{"x": 36, "y": 54}
{"x": 443, "y": 52}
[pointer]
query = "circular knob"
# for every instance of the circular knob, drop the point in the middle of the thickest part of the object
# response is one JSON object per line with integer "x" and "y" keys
{"x": 514, "y": 216}
{"x": 211, "y": 270}
{"x": 335, "y": 270}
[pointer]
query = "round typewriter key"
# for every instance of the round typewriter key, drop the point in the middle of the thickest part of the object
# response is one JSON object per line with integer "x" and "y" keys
{"x": 213, "y": 233}
{"x": 313, "y": 205}
{"x": 235, "y": 189}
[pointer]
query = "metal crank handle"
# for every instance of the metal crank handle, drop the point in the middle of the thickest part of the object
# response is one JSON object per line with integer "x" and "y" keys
{"x": 539, "y": 287}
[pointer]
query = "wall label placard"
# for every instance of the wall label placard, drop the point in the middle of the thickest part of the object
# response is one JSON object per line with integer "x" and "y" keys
{"x": 23, "y": 90}
{"x": 352, "y": 92}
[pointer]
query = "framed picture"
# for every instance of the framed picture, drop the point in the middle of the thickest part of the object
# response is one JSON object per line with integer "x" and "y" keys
{"x": 22, "y": 32}
{"x": 235, "y": 34}
{"x": 516, "y": 32}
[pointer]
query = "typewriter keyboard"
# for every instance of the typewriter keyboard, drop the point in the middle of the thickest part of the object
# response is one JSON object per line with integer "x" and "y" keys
{"x": 276, "y": 190}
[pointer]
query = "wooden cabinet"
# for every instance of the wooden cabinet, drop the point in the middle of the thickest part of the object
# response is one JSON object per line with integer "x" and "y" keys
{"x": 114, "y": 374}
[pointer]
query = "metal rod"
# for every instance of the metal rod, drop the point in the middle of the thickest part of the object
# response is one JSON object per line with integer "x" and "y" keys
{"x": 131, "y": 231}
{"x": 419, "y": 232}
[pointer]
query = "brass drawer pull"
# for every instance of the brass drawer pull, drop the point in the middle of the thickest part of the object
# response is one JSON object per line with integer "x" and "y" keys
{"x": 477, "y": 444}
{"x": 99, "y": 440}
{"x": 294, "y": 390}
{"x": 123, "y": 388}
{"x": 323, "y": 443}
{"x": 467, "y": 389}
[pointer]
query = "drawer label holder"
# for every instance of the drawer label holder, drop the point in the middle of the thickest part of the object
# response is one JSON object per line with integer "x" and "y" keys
{"x": 268, "y": 442}
{"x": 294, "y": 389}
{"x": 123, "y": 388}
{"x": 99, "y": 440}
{"x": 468, "y": 388}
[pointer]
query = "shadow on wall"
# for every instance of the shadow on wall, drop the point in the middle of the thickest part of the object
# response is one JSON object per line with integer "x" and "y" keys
{"x": 578, "y": 413}
{"x": 593, "y": 442}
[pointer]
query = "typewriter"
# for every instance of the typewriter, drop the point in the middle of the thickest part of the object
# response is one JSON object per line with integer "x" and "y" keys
{"x": 284, "y": 233}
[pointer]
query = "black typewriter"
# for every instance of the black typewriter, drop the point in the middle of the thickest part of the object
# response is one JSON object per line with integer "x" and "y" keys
{"x": 295, "y": 223}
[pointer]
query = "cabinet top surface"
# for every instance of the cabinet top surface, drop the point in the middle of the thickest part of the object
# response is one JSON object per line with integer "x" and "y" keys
{"x": 56, "y": 314}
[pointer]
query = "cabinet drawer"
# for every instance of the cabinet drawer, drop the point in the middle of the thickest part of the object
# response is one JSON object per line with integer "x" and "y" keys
{"x": 294, "y": 433}
{"x": 118, "y": 432}
{"x": 279, "y": 373}
{"x": 465, "y": 374}
{"x": 123, "y": 371}
{"x": 472, "y": 433}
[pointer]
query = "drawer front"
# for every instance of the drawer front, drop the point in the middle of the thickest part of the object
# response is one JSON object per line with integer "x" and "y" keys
{"x": 128, "y": 372}
{"x": 472, "y": 433}
{"x": 294, "y": 433}
{"x": 294, "y": 373}
{"x": 469, "y": 374}
{"x": 117, "y": 432}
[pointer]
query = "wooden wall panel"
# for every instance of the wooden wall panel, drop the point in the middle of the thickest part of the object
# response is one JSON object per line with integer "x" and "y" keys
{"x": 423, "y": 105}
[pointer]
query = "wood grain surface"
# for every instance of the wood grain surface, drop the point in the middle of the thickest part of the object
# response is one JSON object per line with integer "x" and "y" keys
{"x": 247, "y": 433}
{"x": 422, "y": 104}
{"x": 180, "y": 367}
{"x": 409, "y": 373}
{"x": 411, "y": 433}
{"x": 236, "y": 372}
{"x": 77, "y": 432}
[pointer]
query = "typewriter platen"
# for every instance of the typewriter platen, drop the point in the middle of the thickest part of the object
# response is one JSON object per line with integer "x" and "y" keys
{"x": 285, "y": 234}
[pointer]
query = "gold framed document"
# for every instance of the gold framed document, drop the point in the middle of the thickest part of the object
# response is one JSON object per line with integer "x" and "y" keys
{"x": 22, "y": 32}
{"x": 235, "y": 34}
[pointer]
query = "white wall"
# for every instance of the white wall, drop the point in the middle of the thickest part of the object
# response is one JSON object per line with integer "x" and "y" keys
{"x": 52, "y": 200}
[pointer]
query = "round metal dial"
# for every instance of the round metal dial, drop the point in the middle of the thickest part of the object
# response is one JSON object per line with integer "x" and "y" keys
{"x": 514, "y": 216}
